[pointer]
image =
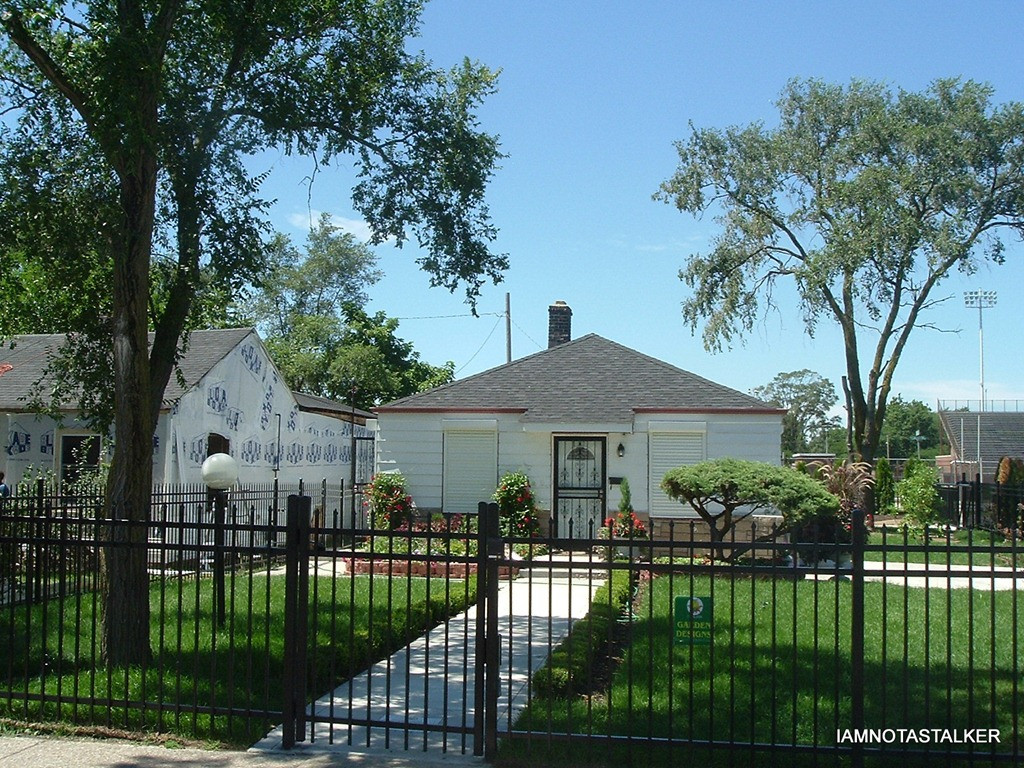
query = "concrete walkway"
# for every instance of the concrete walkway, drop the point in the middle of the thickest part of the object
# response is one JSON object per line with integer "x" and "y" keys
{"x": 425, "y": 692}
{"x": 982, "y": 578}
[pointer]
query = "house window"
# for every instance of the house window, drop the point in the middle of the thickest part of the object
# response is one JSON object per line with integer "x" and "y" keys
{"x": 580, "y": 453}
{"x": 470, "y": 472}
{"x": 669, "y": 450}
{"x": 79, "y": 457}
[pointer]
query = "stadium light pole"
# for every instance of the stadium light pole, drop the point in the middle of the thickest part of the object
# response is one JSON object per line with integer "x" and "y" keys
{"x": 982, "y": 300}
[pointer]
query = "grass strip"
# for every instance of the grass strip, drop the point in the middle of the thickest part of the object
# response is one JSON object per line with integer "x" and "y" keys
{"x": 568, "y": 668}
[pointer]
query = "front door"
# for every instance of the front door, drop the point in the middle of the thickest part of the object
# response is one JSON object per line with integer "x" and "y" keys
{"x": 579, "y": 486}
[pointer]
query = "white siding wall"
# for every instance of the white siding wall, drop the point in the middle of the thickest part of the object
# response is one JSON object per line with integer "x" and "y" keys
{"x": 413, "y": 444}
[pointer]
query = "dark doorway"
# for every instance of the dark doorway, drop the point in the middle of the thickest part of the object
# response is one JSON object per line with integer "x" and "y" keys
{"x": 579, "y": 483}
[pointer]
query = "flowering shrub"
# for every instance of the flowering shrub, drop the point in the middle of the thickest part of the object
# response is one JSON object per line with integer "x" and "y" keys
{"x": 444, "y": 535}
{"x": 516, "y": 512}
{"x": 387, "y": 502}
{"x": 625, "y": 524}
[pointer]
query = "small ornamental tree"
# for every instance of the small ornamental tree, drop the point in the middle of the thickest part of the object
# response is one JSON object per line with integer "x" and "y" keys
{"x": 387, "y": 501}
{"x": 625, "y": 524}
{"x": 885, "y": 486}
{"x": 517, "y": 515}
{"x": 724, "y": 491}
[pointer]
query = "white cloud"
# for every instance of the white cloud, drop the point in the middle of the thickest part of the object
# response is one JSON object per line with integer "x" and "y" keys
{"x": 306, "y": 219}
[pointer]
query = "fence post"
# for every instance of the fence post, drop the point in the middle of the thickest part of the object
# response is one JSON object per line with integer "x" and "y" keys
{"x": 296, "y": 593}
{"x": 494, "y": 551}
{"x": 220, "y": 503}
{"x": 857, "y": 634}
{"x": 479, "y": 670}
{"x": 486, "y": 682}
{"x": 976, "y": 520}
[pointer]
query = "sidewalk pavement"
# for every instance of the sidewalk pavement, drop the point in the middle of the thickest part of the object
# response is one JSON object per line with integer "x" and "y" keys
{"x": 61, "y": 752}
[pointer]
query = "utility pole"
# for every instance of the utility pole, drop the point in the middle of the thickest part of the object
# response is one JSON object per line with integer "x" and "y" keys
{"x": 508, "y": 328}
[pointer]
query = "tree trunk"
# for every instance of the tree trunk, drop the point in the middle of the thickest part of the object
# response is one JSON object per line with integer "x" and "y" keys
{"x": 125, "y": 639}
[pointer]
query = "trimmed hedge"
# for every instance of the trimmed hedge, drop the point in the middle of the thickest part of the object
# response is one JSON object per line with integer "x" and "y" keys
{"x": 568, "y": 668}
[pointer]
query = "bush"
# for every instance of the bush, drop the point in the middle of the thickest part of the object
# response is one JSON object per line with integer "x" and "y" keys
{"x": 918, "y": 497}
{"x": 723, "y": 491}
{"x": 625, "y": 524}
{"x": 387, "y": 501}
{"x": 568, "y": 669}
{"x": 517, "y": 515}
{"x": 885, "y": 487}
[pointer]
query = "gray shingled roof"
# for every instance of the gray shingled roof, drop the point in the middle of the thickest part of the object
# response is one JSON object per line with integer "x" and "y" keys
{"x": 590, "y": 379}
{"x": 1002, "y": 434}
{"x": 328, "y": 407}
{"x": 24, "y": 359}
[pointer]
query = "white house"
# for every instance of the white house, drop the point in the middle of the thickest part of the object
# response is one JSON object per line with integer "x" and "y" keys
{"x": 577, "y": 418}
{"x": 229, "y": 397}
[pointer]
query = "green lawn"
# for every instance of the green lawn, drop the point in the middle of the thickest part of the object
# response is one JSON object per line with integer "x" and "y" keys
{"x": 977, "y": 547}
{"x": 229, "y": 672}
{"x": 779, "y": 670}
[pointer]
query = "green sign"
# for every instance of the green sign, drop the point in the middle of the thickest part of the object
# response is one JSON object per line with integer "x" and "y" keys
{"x": 692, "y": 620}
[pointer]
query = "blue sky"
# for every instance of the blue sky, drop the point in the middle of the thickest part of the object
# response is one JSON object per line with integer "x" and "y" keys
{"x": 592, "y": 96}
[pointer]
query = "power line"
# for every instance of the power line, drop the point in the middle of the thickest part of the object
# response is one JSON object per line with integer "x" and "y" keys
{"x": 527, "y": 335}
{"x": 450, "y": 317}
{"x": 493, "y": 329}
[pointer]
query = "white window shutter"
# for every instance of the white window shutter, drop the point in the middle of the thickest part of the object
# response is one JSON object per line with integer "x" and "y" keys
{"x": 669, "y": 450}
{"x": 470, "y": 469}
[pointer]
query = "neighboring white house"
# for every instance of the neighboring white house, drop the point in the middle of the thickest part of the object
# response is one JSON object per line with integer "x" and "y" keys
{"x": 577, "y": 418}
{"x": 227, "y": 396}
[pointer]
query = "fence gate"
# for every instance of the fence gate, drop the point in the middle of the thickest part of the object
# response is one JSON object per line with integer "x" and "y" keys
{"x": 433, "y": 692}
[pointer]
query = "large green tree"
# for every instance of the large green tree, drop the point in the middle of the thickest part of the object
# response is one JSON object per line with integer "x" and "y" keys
{"x": 376, "y": 366}
{"x": 807, "y": 397}
{"x": 164, "y": 102}
{"x": 909, "y": 425}
{"x": 861, "y": 200}
{"x": 309, "y": 307}
{"x": 299, "y": 301}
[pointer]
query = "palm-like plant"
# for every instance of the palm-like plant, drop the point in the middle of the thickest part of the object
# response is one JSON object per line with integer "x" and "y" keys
{"x": 848, "y": 482}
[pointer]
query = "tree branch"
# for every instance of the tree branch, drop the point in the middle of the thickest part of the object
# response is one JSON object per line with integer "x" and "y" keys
{"x": 50, "y": 70}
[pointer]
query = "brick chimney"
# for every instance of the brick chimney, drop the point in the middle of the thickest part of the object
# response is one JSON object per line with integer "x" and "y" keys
{"x": 559, "y": 324}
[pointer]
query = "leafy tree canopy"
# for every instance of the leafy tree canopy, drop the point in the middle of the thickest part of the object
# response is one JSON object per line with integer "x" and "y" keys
{"x": 151, "y": 111}
{"x": 905, "y": 422}
{"x": 724, "y": 491}
{"x": 863, "y": 200}
{"x": 808, "y": 398}
{"x": 309, "y": 309}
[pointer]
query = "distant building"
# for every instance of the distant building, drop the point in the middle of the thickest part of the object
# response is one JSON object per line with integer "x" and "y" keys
{"x": 228, "y": 398}
{"x": 978, "y": 440}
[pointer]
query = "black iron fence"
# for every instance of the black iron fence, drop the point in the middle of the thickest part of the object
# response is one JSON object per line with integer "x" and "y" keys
{"x": 974, "y": 504}
{"x": 901, "y": 646}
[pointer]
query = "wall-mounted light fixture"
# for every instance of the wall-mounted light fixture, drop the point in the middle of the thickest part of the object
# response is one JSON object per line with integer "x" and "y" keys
{"x": 621, "y": 450}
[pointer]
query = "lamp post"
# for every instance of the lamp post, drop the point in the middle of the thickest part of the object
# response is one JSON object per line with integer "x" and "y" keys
{"x": 917, "y": 438}
{"x": 982, "y": 300}
{"x": 220, "y": 472}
